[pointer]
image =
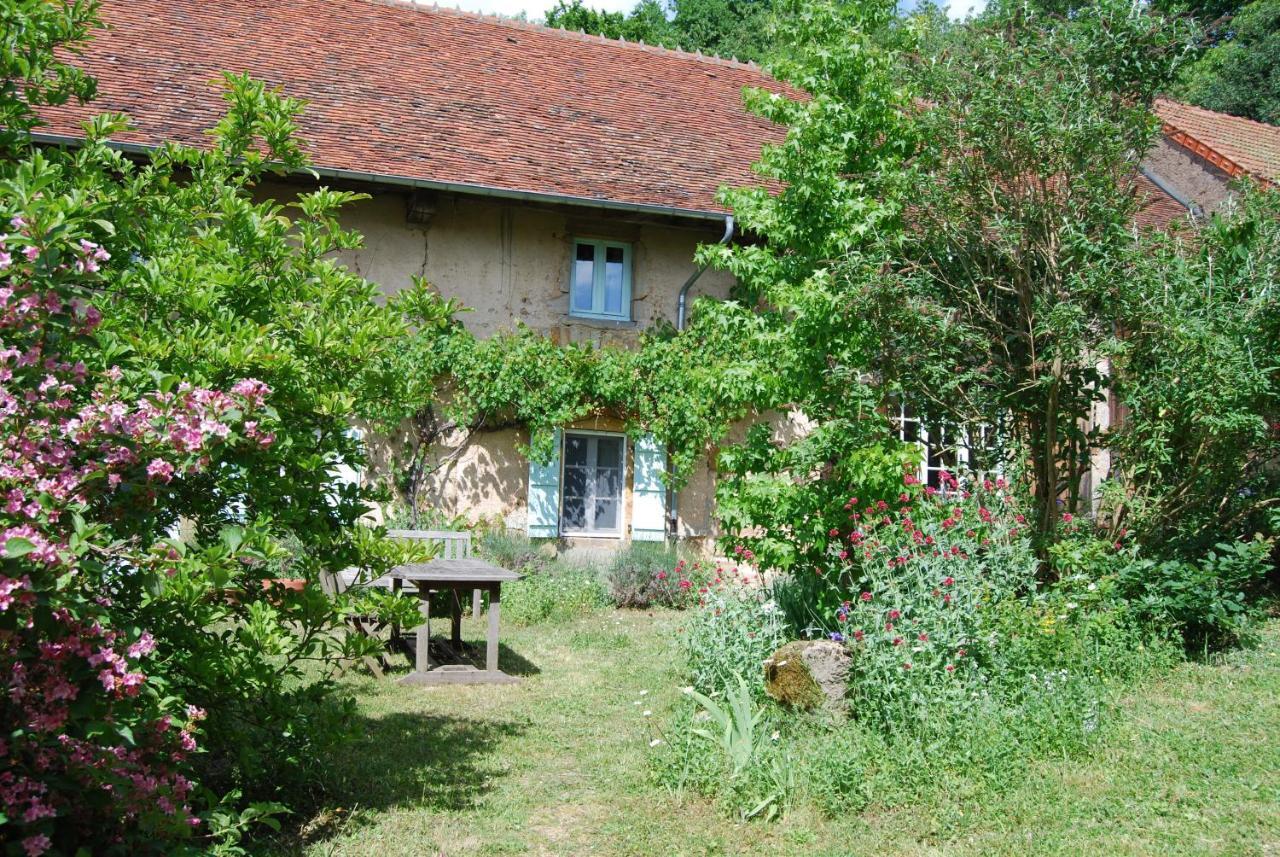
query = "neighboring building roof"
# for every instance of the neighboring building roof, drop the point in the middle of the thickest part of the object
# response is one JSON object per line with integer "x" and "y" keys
{"x": 1158, "y": 209}
{"x": 440, "y": 98}
{"x": 1234, "y": 145}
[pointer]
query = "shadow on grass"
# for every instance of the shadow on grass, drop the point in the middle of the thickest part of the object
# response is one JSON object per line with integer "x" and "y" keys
{"x": 430, "y": 761}
{"x": 510, "y": 661}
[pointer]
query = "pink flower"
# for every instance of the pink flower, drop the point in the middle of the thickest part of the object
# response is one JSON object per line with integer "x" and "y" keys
{"x": 36, "y": 845}
{"x": 1067, "y": 517}
{"x": 866, "y": 596}
{"x": 252, "y": 389}
{"x": 160, "y": 469}
{"x": 145, "y": 645}
{"x": 684, "y": 584}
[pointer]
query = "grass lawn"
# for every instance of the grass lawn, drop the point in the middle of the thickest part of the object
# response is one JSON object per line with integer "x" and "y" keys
{"x": 557, "y": 765}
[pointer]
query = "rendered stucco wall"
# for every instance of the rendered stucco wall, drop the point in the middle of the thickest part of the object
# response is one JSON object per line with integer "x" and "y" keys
{"x": 510, "y": 263}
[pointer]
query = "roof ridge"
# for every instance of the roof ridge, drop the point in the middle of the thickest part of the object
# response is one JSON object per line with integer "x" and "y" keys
{"x": 1211, "y": 150}
{"x": 578, "y": 35}
{"x": 1266, "y": 126}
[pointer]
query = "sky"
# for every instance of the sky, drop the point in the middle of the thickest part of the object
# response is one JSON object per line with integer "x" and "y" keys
{"x": 536, "y": 9}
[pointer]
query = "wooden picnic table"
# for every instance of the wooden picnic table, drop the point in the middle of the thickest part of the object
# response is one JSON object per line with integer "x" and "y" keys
{"x": 455, "y": 575}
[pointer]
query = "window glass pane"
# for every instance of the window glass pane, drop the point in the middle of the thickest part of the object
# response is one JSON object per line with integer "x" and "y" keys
{"x": 575, "y": 450}
{"x": 574, "y": 513}
{"x": 584, "y": 269}
{"x": 609, "y": 452}
{"x": 606, "y": 515}
{"x": 575, "y": 481}
{"x": 909, "y": 431}
{"x": 613, "y": 280}
{"x": 608, "y": 483}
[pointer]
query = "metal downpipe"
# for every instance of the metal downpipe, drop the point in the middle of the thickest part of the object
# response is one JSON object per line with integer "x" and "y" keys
{"x": 682, "y": 305}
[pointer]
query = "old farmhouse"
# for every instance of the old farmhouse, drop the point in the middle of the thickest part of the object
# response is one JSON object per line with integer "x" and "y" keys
{"x": 536, "y": 176}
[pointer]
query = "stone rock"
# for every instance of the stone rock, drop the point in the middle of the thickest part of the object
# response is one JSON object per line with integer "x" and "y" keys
{"x": 808, "y": 674}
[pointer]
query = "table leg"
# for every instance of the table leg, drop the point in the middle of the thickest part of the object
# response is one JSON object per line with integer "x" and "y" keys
{"x": 396, "y": 585}
{"x": 424, "y": 632}
{"x": 455, "y": 636}
{"x": 475, "y": 603}
{"x": 491, "y": 649}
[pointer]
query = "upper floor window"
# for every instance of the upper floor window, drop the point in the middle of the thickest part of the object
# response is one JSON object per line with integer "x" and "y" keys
{"x": 600, "y": 285}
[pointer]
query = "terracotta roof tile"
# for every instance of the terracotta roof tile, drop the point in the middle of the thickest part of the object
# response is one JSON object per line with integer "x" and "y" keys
{"x": 1157, "y": 209}
{"x": 1235, "y": 145}
{"x": 436, "y": 95}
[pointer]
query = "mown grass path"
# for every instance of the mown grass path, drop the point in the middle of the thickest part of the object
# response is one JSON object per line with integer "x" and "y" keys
{"x": 557, "y": 766}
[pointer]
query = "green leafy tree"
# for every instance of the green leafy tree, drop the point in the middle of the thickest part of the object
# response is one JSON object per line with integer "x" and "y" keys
{"x": 1240, "y": 72}
{"x": 1006, "y": 293}
{"x": 728, "y": 28}
{"x": 647, "y": 22}
{"x": 830, "y": 215}
{"x": 32, "y": 72}
{"x": 1198, "y": 377}
{"x": 209, "y": 285}
{"x": 1206, "y": 13}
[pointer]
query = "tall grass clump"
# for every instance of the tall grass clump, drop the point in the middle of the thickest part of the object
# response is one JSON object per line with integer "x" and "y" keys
{"x": 557, "y": 592}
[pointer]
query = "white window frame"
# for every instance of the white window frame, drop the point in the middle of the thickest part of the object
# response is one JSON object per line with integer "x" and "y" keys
{"x": 621, "y": 529}
{"x": 899, "y": 418}
{"x": 597, "y": 310}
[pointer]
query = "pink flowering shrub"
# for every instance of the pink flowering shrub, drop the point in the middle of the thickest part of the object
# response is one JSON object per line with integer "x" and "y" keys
{"x": 95, "y": 747}
{"x": 648, "y": 575}
{"x": 179, "y": 362}
{"x": 937, "y": 598}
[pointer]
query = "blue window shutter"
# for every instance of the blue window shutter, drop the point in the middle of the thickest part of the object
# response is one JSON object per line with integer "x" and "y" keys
{"x": 544, "y": 495}
{"x": 648, "y": 493}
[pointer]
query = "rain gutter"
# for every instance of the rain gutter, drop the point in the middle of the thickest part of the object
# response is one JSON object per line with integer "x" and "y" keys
{"x": 468, "y": 188}
{"x": 1156, "y": 179}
